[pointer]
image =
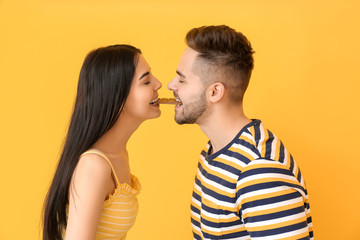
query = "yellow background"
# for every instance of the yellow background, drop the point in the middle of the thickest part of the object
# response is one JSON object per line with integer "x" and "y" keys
{"x": 305, "y": 87}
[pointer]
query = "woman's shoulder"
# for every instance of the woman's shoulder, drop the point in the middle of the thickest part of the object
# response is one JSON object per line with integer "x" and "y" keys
{"x": 92, "y": 168}
{"x": 94, "y": 163}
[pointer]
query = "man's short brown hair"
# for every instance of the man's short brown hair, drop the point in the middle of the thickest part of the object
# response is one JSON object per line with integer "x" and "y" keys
{"x": 227, "y": 55}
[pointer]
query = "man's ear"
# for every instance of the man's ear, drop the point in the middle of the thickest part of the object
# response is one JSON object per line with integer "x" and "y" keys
{"x": 216, "y": 92}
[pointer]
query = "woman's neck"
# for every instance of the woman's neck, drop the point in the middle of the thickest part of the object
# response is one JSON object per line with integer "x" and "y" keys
{"x": 114, "y": 141}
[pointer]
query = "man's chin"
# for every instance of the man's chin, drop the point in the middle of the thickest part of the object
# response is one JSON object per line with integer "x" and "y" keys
{"x": 178, "y": 121}
{"x": 182, "y": 121}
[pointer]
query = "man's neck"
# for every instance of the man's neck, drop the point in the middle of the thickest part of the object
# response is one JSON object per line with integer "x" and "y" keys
{"x": 221, "y": 128}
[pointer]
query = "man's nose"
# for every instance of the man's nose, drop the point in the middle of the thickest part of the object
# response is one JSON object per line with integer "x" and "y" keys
{"x": 171, "y": 85}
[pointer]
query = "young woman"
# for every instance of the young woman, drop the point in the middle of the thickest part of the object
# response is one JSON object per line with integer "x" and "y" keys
{"x": 93, "y": 193}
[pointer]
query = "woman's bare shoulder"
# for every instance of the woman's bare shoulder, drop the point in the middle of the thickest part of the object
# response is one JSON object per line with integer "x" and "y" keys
{"x": 92, "y": 168}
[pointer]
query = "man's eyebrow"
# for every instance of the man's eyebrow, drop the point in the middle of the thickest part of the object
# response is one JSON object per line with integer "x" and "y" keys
{"x": 144, "y": 75}
{"x": 180, "y": 74}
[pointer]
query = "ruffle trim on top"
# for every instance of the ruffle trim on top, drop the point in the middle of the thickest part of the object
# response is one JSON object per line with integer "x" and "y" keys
{"x": 126, "y": 190}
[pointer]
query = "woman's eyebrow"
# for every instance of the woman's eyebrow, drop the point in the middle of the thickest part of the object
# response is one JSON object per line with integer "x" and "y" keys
{"x": 144, "y": 75}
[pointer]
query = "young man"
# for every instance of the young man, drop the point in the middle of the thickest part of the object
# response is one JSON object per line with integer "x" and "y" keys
{"x": 247, "y": 185}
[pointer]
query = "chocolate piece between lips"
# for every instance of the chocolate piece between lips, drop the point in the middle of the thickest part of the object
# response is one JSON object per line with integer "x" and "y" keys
{"x": 167, "y": 101}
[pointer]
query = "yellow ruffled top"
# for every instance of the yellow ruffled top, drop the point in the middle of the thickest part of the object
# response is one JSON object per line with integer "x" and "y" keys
{"x": 120, "y": 209}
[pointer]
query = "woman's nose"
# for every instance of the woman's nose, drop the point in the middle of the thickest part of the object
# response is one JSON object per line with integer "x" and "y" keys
{"x": 158, "y": 85}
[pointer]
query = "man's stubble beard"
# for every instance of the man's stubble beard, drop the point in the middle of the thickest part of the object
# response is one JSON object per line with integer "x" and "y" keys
{"x": 193, "y": 111}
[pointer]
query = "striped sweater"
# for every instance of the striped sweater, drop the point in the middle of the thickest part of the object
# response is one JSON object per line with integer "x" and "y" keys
{"x": 250, "y": 189}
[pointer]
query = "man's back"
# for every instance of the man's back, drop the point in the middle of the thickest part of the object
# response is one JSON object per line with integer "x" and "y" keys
{"x": 250, "y": 189}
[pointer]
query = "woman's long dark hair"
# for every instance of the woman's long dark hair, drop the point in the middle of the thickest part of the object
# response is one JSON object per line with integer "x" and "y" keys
{"x": 104, "y": 85}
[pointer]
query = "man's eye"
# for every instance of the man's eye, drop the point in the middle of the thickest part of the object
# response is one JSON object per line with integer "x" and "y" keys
{"x": 147, "y": 83}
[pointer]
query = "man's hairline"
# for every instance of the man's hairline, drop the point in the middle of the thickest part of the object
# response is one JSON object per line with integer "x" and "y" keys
{"x": 208, "y": 66}
{"x": 199, "y": 60}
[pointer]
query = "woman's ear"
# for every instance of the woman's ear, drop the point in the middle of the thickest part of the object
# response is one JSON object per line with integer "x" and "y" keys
{"x": 216, "y": 92}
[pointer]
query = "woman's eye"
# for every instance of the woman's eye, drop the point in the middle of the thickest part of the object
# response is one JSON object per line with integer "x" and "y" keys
{"x": 147, "y": 83}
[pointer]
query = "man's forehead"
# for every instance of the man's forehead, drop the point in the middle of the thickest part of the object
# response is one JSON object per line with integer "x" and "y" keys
{"x": 188, "y": 59}
{"x": 189, "y": 55}
{"x": 193, "y": 65}
{"x": 191, "y": 51}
